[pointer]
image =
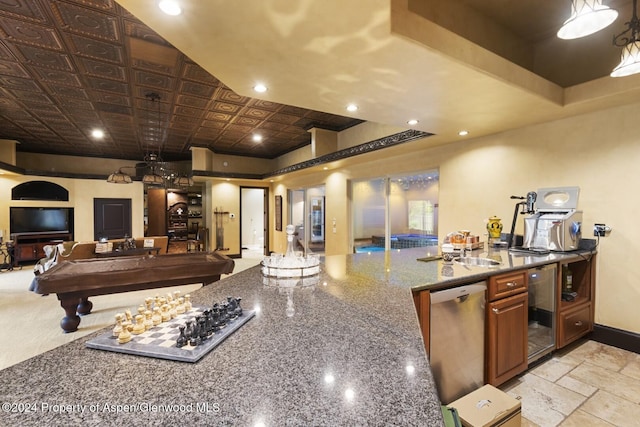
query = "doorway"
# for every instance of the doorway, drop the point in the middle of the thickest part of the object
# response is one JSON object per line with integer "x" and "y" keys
{"x": 307, "y": 214}
{"x": 253, "y": 222}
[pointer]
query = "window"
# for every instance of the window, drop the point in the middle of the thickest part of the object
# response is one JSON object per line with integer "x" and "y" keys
{"x": 406, "y": 206}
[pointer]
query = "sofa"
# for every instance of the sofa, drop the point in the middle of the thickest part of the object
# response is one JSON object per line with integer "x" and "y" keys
{"x": 69, "y": 251}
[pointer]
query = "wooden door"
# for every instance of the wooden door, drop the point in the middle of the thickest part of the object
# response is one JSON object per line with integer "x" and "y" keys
{"x": 111, "y": 218}
{"x": 508, "y": 346}
{"x": 156, "y": 212}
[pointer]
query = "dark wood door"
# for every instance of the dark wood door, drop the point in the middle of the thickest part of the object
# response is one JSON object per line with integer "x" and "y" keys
{"x": 156, "y": 212}
{"x": 111, "y": 218}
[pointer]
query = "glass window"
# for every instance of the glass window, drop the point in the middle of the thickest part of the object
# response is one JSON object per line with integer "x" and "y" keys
{"x": 408, "y": 209}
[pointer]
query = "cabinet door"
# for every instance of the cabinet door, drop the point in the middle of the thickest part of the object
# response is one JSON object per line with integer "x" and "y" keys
{"x": 25, "y": 252}
{"x": 507, "y": 330}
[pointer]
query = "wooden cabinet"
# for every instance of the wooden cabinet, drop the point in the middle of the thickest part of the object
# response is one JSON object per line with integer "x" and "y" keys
{"x": 507, "y": 338}
{"x": 422, "y": 302}
{"x": 576, "y": 313}
{"x": 29, "y": 247}
{"x": 177, "y": 215}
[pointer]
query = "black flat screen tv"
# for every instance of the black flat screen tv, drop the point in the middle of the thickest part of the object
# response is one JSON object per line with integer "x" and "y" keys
{"x": 40, "y": 220}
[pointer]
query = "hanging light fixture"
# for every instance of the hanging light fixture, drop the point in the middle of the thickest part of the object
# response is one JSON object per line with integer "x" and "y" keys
{"x": 587, "y": 17}
{"x": 629, "y": 40}
{"x": 119, "y": 178}
{"x": 183, "y": 181}
{"x": 155, "y": 133}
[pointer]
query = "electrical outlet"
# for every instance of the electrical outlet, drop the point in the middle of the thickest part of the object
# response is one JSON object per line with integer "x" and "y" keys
{"x": 600, "y": 230}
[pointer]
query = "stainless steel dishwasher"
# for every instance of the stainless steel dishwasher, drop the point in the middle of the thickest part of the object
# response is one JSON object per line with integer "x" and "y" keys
{"x": 457, "y": 340}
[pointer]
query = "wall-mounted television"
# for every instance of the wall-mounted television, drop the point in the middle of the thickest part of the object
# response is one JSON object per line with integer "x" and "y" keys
{"x": 40, "y": 220}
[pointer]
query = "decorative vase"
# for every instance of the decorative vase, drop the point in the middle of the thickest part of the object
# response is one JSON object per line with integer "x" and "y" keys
{"x": 494, "y": 227}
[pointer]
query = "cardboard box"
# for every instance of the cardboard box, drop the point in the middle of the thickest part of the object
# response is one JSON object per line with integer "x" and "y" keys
{"x": 488, "y": 407}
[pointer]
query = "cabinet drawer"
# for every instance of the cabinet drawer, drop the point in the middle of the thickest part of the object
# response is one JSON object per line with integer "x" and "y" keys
{"x": 504, "y": 285}
{"x": 574, "y": 324}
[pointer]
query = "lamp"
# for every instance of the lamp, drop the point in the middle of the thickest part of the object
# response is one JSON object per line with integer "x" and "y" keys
{"x": 183, "y": 181}
{"x": 587, "y": 17}
{"x": 630, "y": 43}
{"x": 155, "y": 132}
{"x": 119, "y": 178}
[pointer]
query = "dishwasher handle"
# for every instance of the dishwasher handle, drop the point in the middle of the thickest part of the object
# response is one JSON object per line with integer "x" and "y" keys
{"x": 460, "y": 294}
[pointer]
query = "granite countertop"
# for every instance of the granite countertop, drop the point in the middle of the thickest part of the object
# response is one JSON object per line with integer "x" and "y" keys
{"x": 345, "y": 349}
{"x": 400, "y": 268}
{"x": 350, "y": 353}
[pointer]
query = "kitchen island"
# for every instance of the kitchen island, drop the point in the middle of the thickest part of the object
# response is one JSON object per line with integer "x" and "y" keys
{"x": 344, "y": 349}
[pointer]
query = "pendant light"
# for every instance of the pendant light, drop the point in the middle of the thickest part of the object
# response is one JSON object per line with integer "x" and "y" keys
{"x": 630, "y": 42}
{"x": 155, "y": 132}
{"x": 119, "y": 178}
{"x": 587, "y": 17}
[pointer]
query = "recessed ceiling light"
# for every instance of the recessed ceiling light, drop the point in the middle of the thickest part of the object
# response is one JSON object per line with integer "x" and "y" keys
{"x": 260, "y": 88}
{"x": 352, "y": 107}
{"x": 256, "y": 137}
{"x": 97, "y": 133}
{"x": 170, "y": 7}
{"x": 412, "y": 122}
{"x": 463, "y": 133}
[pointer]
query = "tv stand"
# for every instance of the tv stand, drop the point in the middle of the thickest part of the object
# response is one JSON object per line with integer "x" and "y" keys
{"x": 29, "y": 246}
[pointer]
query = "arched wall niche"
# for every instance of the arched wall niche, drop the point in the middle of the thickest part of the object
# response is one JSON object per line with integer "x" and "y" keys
{"x": 39, "y": 190}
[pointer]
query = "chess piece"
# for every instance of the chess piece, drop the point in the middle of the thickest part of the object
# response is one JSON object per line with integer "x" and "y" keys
{"x": 125, "y": 335}
{"x": 118, "y": 328}
{"x": 166, "y": 316}
{"x": 172, "y": 309}
{"x": 187, "y": 303}
{"x": 148, "y": 320}
{"x": 189, "y": 329}
{"x": 180, "y": 307}
{"x": 182, "y": 339}
{"x": 148, "y": 302}
{"x": 141, "y": 309}
{"x": 202, "y": 328}
{"x": 128, "y": 316}
{"x": 138, "y": 327}
{"x": 169, "y": 297}
{"x": 176, "y": 295}
{"x": 195, "y": 334}
{"x": 156, "y": 316}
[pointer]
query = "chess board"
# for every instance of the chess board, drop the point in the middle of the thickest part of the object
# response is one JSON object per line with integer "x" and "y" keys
{"x": 160, "y": 341}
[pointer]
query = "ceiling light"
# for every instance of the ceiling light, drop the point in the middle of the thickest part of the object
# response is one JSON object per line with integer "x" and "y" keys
{"x": 352, "y": 107}
{"x": 587, "y": 17}
{"x": 629, "y": 40}
{"x": 463, "y": 133}
{"x": 412, "y": 122}
{"x": 260, "y": 88}
{"x": 119, "y": 178}
{"x": 97, "y": 133}
{"x": 170, "y": 7}
{"x": 183, "y": 181}
{"x": 256, "y": 137}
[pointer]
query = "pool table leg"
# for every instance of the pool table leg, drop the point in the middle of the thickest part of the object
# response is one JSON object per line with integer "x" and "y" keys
{"x": 71, "y": 320}
{"x": 84, "y": 306}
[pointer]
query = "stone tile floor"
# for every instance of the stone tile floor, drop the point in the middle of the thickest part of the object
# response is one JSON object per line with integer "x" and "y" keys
{"x": 587, "y": 384}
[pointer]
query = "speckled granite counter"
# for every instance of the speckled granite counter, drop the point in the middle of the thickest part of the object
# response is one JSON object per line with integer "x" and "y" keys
{"x": 351, "y": 354}
{"x": 346, "y": 351}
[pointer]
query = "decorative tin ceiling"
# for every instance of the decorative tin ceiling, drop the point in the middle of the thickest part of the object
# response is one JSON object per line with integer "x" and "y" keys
{"x": 68, "y": 67}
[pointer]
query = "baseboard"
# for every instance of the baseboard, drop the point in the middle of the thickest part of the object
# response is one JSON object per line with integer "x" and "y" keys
{"x": 616, "y": 337}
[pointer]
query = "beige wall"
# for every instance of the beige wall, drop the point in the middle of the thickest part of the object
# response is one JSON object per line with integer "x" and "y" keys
{"x": 599, "y": 152}
{"x": 81, "y": 195}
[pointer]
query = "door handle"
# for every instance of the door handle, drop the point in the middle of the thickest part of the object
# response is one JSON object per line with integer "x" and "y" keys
{"x": 511, "y": 284}
{"x": 578, "y": 323}
{"x": 495, "y": 310}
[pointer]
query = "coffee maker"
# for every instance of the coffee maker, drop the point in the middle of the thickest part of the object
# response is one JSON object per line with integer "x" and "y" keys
{"x": 556, "y": 225}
